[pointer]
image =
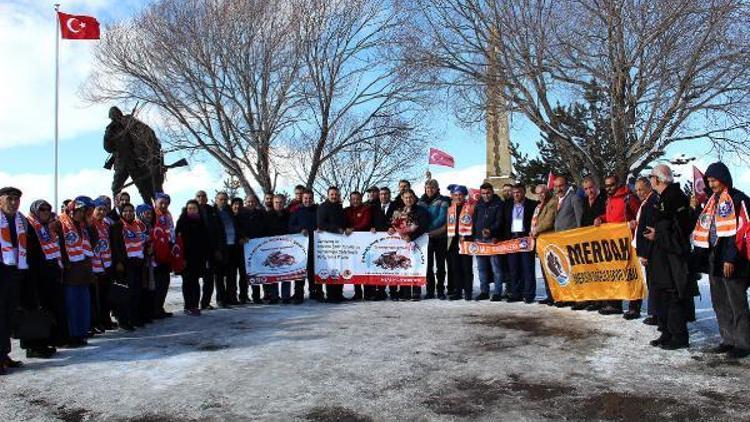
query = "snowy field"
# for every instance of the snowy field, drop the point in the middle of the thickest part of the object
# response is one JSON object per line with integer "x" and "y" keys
{"x": 429, "y": 360}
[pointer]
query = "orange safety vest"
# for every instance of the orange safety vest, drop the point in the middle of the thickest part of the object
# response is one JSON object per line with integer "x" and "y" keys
{"x": 719, "y": 212}
{"x": 13, "y": 255}
{"x": 134, "y": 234}
{"x": 465, "y": 220}
{"x": 102, "y": 251}
{"x": 77, "y": 245}
{"x": 47, "y": 239}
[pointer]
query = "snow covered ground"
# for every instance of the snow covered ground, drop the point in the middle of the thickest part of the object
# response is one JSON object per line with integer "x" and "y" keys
{"x": 431, "y": 360}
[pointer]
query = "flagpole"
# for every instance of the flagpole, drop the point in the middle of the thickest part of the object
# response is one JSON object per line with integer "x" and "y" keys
{"x": 57, "y": 100}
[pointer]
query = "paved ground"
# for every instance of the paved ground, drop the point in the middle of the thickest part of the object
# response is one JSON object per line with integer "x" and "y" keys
{"x": 431, "y": 360}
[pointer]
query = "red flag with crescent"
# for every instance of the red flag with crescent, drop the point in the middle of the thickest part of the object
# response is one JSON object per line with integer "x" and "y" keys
{"x": 441, "y": 158}
{"x": 699, "y": 186}
{"x": 78, "y": 27}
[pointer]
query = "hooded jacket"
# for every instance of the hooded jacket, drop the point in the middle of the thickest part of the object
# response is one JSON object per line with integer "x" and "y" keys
{"x": 489, "y": 215}
{"x": 725, "y": 249}
{"x": 621, "y": 207}
{"x": 437, "y": 208}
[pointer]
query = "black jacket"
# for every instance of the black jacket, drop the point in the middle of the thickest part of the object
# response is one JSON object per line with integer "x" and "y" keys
{"x": 194, "y": 234}
{"x": 529, "y": 205}
{"x": 489, "y": 215}
{"x": 214, "y": 228}
{"x": 331, "y": 217}
{"x": 251, "y": 223}
{"x": 303, "y": 218}
{"x": 591, "y": 212}
{"x": 277, "y": 222}
{"x": 668, "y": 264}
{"x": 378, "y": 216}
{"x": 649, "y": 209}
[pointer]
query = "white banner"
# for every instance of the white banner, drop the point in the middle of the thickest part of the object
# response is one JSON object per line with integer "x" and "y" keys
{"x": 370, "y": 258}
{"x": 276, "y": 258}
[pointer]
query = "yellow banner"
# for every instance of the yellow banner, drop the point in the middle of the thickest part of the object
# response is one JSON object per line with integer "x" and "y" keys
{"x": 591, "y": 263}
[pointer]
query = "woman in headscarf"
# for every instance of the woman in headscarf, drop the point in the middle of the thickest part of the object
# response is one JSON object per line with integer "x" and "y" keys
{"x": 193, "y": 232}
{"x": 145, "y": 214}
{"x": 42, "y": 289}
{"x": 128, "y": 257}
{"x": 102, "y": 265}
{"x": 77, "y": 254}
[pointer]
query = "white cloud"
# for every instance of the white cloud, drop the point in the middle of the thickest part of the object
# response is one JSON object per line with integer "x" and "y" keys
{"x": 27, "y": 46}
{"x": 471, "y": 177}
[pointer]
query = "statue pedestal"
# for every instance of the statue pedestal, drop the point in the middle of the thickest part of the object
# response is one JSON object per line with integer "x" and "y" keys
{"x": 497, "y": 182}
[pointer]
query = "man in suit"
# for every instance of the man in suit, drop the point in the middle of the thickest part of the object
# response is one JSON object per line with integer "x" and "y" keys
{"x": 517, "y": 224}
{"x": 569, "y": 211}
{"x": 644, "y": 218}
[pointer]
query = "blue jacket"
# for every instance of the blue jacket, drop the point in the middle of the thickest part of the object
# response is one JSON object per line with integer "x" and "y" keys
{"x": 437, "y": 208}
{"x": 488, "y": 215}
{"x": 303, "y": 218}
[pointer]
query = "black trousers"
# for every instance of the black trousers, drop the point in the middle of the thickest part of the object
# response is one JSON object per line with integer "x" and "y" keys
{"x": 191, "y": 290}
{"x": 9, "y": 282}
{"x": 162, "y": 279}
{"x": 134, "y": 279}
{"x": 335, "y": 291}
{"x": 232, "y": 266}
{"x": 436, "y": 254}
{"x": 671, "y": 313}
{"x": 207, "y": 274}
{"x": 462, "y": 271}
{"x": 100, "y": 307}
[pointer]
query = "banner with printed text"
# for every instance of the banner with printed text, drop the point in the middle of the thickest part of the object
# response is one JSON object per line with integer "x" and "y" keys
{"x": 522, "y": 244}
{"x": 591, "y": 263}
{"x": 276, "y": 258}
{"x": 370, "y": 258}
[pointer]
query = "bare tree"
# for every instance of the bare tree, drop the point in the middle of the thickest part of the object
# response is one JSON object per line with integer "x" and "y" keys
{"x": 356, "y": 93}
{"x": 224, "y": 74}
{"x": 372, "y": 162}
{"x": 674, "y": 71}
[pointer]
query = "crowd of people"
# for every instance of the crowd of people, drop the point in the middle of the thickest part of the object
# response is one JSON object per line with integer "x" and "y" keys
{"x": 63, "y": 277}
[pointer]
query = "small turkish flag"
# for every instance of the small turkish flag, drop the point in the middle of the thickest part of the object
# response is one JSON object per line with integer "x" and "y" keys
{"x": 550, "y": 181}
{"x": 78, "y": 27}
{"x": 474, "y": 195}
{"x": 441, "y": 158}
{"x": 699, "y": 186}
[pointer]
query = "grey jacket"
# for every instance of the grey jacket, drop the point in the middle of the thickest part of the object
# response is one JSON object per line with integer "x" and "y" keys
{"x": 569, "y": 213}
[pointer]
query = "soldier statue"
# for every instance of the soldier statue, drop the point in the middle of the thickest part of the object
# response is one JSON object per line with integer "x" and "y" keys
{"x": 135, "y": 153}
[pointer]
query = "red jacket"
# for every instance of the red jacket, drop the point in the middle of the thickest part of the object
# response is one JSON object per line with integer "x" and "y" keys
{"x": 359, "y": 219}
{"x": 621, "y": 207}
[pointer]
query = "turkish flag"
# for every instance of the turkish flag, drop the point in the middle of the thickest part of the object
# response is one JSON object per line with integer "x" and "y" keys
{"x": 699, "y": 186}
{"x": 474, "y": 195}
{"x": 78, "y": 27}
{"x": 550, "y": 181}
{"x": 441, "y": 158}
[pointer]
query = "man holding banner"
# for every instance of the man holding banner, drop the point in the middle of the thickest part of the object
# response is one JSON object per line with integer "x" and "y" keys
{"x": 517, "y": 222}
{"x": 488, "y": 225}
{"x": 542, "y": 222}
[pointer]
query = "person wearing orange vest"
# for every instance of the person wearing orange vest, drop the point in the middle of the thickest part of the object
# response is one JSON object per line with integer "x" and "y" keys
{"x": 459, "y": 225}
{"x": 78, "y": 275}
{"x": 102, "y": 265}
{"x": 128, "y": 258}
{"x": 42, "y": 288}
{"x": 728, "y": 269}
{"x": 13, "y": 265}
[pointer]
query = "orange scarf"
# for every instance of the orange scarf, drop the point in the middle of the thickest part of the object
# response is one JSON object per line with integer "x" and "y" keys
{"x": 77, "y": 245}
{"x": 102, "y": 251}
{"x": 13, "y": 255}
{"x": 722, "y": 214}
{"x": 48, "y": 240}
{"x": 465, "y": 220}
{"x": 134, "y": 234}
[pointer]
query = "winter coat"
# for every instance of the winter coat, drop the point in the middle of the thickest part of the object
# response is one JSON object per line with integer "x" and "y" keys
{"x": 545, "y": 221}
{"x": 643, "y": 246}
{"x": 196, "y": 250}
{"x": 76, "y": 273}
{"x": 488, "y": 215}
{"x": 621, "y": 207}
{"x": 251, "y": 223}
{"x": 569, "y": 212}
{"x": 668, "y": 261}
{"x": 331, "y": 217}
{"x": 590, "y": 212}
{"x": 359, "y": 219}
{"x": 303, "y": 218}
{"x": 417, "y": 215}
{"x": 277, "y": 223}
{"x": 529, "y": 205}
{"x": 725, "y": 249}
{"x": 437, "y": 209}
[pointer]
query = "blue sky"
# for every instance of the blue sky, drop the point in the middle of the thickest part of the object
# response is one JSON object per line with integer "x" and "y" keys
{"x": 27, "y": 34}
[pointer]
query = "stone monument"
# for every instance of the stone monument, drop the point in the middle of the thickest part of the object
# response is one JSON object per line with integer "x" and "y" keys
{"x": 499, "y": 170}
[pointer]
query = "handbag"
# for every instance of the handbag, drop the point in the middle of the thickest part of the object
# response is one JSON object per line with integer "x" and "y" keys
{"x": 33, "y": 324}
